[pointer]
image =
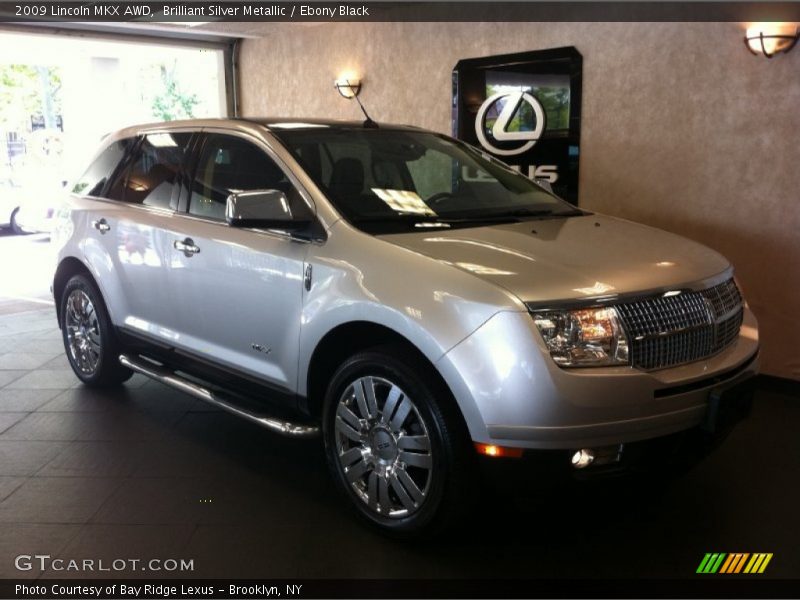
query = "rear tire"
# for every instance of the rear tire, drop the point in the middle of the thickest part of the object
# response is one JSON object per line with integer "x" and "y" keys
{"x": 91, "y": 346}
{"x": 396, "y": 445}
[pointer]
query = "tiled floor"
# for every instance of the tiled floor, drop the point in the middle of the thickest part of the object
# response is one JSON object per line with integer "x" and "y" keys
{"x": 148, "y": 472}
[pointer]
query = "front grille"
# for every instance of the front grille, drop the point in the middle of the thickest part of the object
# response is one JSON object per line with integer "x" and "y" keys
{"x": 666, "y": 331}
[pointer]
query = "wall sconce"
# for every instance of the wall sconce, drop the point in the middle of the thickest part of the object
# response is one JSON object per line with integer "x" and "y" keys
{"x": 348, "y": 87}
{"x": 771, "y": 38}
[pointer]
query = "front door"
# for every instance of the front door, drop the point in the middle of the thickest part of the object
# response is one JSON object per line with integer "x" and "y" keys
{"x": 240, "y": 290}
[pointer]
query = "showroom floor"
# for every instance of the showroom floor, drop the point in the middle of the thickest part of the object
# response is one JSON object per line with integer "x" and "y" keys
{"x": 148, "y": 472}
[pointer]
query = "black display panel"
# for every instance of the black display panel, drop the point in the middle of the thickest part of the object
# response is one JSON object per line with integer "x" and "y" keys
{"x": 525, "y": 109}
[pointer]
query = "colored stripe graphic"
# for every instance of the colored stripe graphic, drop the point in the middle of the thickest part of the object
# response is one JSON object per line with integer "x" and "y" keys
{"x": 741, "y": 562}
{"x": 765, "y": 563}
{"x": 720, "y": 562}
{"x": 715, "y": 566}
{"x": 758, "y": 563}
{"x": 726, "y": 565}
{"x": 734, "y": 563}
{"x": 703, "y": 563}
{"x": 711, "y": 562}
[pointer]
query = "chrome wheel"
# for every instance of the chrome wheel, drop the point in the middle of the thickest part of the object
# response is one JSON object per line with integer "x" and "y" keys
{"x": 83, "y": 332}
{"x": 383, "y": 447}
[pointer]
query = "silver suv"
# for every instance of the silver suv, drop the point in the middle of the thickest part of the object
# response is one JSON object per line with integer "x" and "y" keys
{"x": 424, "y": 307}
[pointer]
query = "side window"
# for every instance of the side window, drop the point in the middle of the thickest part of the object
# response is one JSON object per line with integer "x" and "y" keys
{"x": 229, "y": 164}
{"x": 152, "y": 175}
{"x": 94, "y": 179}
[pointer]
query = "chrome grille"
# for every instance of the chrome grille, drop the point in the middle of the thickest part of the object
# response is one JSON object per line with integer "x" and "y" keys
{"x": 666, "y": 331}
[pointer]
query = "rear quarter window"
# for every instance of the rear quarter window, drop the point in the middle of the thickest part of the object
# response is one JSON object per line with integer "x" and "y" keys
{"x": 152, "y": 174}
{"x": 94, "y": 180}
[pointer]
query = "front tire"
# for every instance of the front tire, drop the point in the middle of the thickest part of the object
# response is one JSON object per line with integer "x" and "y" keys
{"x": 89, "y": 340}
{"x": 396, "y": 446}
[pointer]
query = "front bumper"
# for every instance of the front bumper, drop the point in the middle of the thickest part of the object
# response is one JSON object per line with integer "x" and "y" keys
{"x": 512, "y": 393}
{"x": 729, "y": 404}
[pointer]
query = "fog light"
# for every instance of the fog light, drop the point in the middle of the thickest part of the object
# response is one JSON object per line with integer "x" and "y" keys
{"x": 582, "y": 458}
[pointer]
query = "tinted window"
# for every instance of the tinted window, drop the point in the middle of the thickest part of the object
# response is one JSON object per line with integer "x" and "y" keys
{"x": 229, "y": 164}
{"x": 94, "y": 179}
{"x": 152, "y": 175}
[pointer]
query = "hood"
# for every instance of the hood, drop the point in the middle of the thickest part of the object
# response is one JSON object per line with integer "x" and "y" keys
{"x": 569, "y": 258}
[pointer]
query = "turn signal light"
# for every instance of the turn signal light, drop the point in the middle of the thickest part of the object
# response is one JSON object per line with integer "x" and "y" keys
{"x": 498, "y": 451}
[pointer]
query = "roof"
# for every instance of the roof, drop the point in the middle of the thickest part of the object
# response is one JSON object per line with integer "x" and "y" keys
{"x": 275, "y": 124}
{"x": 303, "y": 123}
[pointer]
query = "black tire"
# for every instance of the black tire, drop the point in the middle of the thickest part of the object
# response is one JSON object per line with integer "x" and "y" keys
{"x": 107, "y": 371}
{"x": 14, "y": 227}
{"x": 449, "y": 492}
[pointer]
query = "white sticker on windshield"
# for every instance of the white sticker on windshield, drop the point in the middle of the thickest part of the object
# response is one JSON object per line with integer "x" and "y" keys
{"x": 404, "y": 202}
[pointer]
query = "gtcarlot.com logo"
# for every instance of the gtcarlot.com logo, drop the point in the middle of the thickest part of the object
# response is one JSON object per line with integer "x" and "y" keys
{"x": 733, "y": 563}
{"x": 45, "y": 562}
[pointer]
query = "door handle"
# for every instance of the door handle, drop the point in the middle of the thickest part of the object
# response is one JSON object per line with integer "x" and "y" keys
{"x": 102, "y": 226}
{"x": 186, "y": 246}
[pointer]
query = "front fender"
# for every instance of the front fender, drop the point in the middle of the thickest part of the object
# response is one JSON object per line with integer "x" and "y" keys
{"x": 359, "y": 278}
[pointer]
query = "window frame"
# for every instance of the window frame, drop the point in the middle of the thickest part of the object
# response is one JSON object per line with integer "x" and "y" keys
{"x": 316, "y": 231}
{"x": 125, "y": 165}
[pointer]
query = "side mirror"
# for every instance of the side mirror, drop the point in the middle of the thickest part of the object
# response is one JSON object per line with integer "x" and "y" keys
{"x": 268, "y": 209}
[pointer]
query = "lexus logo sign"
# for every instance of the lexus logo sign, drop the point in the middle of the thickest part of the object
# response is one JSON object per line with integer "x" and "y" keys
{"x": 524, "y": 109}
{"x": 500, "y": 129}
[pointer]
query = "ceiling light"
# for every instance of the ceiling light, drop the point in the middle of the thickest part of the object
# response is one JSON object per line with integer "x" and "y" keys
{"x": 348, "y": 87}
{"x": 771, "y": 38}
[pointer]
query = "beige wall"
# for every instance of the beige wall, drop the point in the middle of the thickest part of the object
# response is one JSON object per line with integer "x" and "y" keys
{"x": 682, "y": 127}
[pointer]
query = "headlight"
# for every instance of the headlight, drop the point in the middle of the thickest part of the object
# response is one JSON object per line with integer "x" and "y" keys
{"x": 591, "y": 337}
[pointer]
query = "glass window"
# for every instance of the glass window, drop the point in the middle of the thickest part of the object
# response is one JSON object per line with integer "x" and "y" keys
{"x": 229, "y": 164}
{"x": 153, "y": 175}
{"x": 432, "y": 176}
{"x": 94, "y": 179}
{"x": 386, "y": 180}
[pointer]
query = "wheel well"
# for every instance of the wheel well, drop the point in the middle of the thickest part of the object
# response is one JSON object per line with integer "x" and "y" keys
{"x": 341, "y": 343}
{"x": 69, "y": 266}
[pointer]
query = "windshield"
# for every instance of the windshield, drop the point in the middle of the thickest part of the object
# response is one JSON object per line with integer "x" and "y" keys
{"x": 391, "y": 180}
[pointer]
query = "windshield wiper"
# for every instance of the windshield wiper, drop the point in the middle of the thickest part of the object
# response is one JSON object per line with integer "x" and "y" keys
{"x": 503, "y": 218}
{"x": 510, "y": 216}
{"x": 412, "y": 220}
{"x": 397, "y": 218}
{"x": 529, "y": 212}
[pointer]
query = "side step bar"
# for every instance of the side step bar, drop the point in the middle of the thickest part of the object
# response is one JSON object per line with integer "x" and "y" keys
{"x": 169, "y": 378}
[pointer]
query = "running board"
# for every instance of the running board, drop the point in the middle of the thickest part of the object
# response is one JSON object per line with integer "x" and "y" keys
{"x": 169, "y": 378}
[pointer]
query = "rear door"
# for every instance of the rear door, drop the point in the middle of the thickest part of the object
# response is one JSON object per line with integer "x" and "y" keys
{"x": 131, "y": 231}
